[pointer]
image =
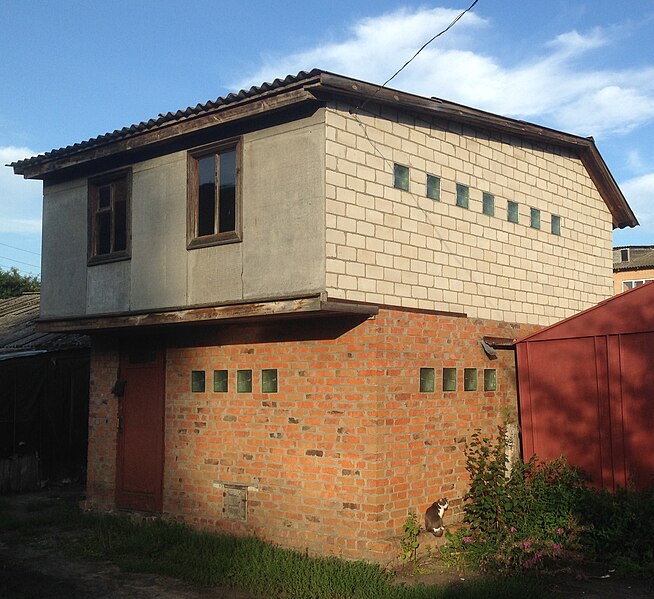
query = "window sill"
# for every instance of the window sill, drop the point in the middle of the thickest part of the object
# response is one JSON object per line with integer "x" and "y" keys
{"x": 211, "y": 240}
{"x": 104, "y": 259}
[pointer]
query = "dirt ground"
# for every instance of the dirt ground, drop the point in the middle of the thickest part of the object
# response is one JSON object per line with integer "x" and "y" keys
{"x": 36, "y": 568}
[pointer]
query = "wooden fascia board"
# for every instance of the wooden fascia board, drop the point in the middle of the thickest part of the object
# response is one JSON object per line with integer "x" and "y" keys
{"x": 333, "y": 86}
{"x": 211, "y": 314}
{"x": 224, "y": 114}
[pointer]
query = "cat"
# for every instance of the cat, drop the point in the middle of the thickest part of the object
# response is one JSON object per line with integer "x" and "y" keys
{"x": 434, "y": 517}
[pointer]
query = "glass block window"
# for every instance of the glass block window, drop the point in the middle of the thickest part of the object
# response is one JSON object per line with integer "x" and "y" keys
{"x": 244, "y": 381}
{"x": 220, "y": 384}
{"x": 433, "y": 187}
{"x": 490, "y": 379}
{"x": 269, "y": 380}
{"x": 197, "y": 381}
{"x": 488, "y": 207}
{"x": 401, "y": 176}
{"x": 449, "y": 379}
{"x": 462, "y": 195}
{"x": 535, "y": 218}
{"x": 512, "y": 212}
{"x": 556, "y": 225}
{"x": 427, "y": 380}
{"x": 470, "y": 379}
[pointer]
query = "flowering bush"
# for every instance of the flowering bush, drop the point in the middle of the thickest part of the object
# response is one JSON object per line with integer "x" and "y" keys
{"x": 518, "y": 521}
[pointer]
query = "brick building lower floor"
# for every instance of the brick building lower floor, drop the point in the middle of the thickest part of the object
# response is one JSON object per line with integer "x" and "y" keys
{"x": 319, "y": 434}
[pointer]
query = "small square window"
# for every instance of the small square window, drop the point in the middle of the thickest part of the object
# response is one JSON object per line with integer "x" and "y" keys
{"x": 197, "y": 381}
{"x": 401, "y": 177}
{"x": 244, "y": 381}
{"x": 488, "y": 207}
{"x": 470, "y": 379}
{"x": 512, "y": 212}
{"x": 556, "y": 225}
{"x": 534, "y": 216}
{"x": 220, "y": 381}
{"x": 433, "y": 187}
{"x": 427, "y": 384}
{"x": 269, "y": 380}
{"x": 462, "y": 195}
{"x": 449, "y": 379}
{"x": 490, "y": 379}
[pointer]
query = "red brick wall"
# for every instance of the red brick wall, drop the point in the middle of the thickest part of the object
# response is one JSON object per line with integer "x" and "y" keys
{"x": 348, "y": 446}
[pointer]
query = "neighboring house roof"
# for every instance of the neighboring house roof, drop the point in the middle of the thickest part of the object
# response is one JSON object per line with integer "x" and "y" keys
{"x": 640, "y": 257}
{"x": 18, "y": 336}
{"x": 143, "y": 139}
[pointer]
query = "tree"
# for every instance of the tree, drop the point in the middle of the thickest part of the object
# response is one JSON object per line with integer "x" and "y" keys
{"x": 12, "y": 283}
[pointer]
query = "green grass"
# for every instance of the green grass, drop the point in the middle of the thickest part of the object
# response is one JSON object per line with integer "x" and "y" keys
{"x": 248, "y": 564}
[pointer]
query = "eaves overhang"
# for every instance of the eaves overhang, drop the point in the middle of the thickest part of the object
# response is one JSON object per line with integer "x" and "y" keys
{"x": 301, "y": 307}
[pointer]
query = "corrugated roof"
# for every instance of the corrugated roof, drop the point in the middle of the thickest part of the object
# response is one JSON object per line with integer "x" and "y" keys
{"x": 640, "y": 257}
{"x": 18, "y": 335}
{"x": 168, "y": 118}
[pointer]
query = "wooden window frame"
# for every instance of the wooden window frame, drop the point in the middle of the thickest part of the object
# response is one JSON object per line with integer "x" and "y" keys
{"x": 193, "y": 240}
{"x": 93, "y": 189}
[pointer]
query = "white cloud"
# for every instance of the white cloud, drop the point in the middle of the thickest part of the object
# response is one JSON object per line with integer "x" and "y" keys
{"x": 639, "y": 192}
{"x": 20, "y": 200}
{"x": 557, "y": 86}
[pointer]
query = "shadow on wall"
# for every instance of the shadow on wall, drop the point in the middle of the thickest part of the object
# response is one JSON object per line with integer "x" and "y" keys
{"x": 590, "y": 397}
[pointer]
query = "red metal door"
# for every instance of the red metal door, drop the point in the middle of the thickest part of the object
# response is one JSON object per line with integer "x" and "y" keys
{"x": 141, "y": 431}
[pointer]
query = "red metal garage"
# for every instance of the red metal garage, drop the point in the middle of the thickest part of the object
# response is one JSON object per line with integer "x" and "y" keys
{"x": 586, "y": 389}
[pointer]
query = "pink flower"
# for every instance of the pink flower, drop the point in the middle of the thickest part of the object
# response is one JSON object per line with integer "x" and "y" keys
{"x": 559, "y": 531}
{"x": 557, "y": 546}
{"x": 467, "y": 539}
{"x": 513, "y": 529}
{"x": 527, "y": 544}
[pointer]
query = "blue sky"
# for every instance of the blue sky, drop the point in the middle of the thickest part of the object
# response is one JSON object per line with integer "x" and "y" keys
{"x": 71, "y": 70}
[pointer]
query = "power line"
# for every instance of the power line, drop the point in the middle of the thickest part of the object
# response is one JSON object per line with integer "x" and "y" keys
{"x": 13, "y": 247}
{"x": 406, "y": 64}
{"x": 20, "y": 262}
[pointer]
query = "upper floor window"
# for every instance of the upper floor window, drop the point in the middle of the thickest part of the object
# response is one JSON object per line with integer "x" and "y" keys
{"x": 433, "y": 187}
{"x": 624, "y": 255}
{"x": 512, "y": 212}
{"x": 401, "y": 176}
{"x": 213, "y": 195}
{"x": 488, "y": 204}
{"x": 634, "y": 283}
{"x": 462, "y": 195}
{"x": 534, "y": 218}
{"x": 556, "y": 224}
{"x": 109, "y": 217}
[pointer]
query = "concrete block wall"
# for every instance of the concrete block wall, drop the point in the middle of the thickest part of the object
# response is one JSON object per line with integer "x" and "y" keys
{"x": 335, "y": 460}
{"x": 396, "y": 247}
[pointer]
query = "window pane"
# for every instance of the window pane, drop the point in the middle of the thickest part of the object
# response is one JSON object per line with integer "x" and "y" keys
{"x": 449, "y": 379}
{"x": 489, "y": 204}
{"x": 462, "y": 195}
{"x": 512, "y": 212}
{"x": 470, "y": 379}
{"x": 207, "y": 195}
{"x": 427, "y": 380}
{"x": 401, "y": 177}
{"x": 120, "y": 226}
{"x": 556, "y": 225}
{"x": 269, "y": 380}
{"x": 628, "y": 284}
{"x": 197, "y": 381}
{"x": 244, "y": 381}
{"x": 490, "y": 379}
{"x": 103, "y": 233}
{"x": 433, "y": 187}
{"x": 624, "y": 255}
{"x": 535, "y": 218}
{"x": 104, "y": 197}
{"x": 227, "y": 197}
{"x": 220, "y": 381}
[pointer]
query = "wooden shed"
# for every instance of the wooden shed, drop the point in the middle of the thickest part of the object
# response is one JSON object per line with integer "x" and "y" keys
{"x": 586, "y": 390}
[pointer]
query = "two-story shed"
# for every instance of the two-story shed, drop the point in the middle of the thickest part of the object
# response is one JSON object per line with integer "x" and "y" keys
{"x": 287, "y": 289}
